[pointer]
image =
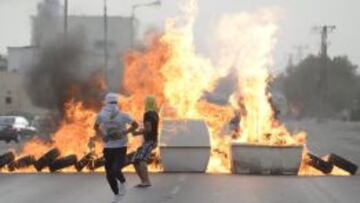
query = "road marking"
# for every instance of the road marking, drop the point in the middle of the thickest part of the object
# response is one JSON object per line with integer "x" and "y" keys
{"x": 175, "y": 190}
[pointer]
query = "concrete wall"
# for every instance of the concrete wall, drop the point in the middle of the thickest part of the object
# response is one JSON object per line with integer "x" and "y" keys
{"x": 20, "y": 59}
{"x": 13, "y": 98}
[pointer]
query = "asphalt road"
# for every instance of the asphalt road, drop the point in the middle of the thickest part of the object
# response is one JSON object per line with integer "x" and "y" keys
{"x": 179, "y": 188}
{"x": 342, "y": 138}
{"x": 337, "y": 137}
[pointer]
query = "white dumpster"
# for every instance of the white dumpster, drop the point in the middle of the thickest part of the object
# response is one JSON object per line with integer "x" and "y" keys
{"x": 266, "y": 160}
{"x": 184, "y": 146}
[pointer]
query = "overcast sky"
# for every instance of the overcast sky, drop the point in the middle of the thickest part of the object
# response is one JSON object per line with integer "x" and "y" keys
{"x": 299, "y": 16}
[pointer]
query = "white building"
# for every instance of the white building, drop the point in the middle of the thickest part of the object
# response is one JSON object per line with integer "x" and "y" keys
{"x": 13, "y": 97}
{"x": 20, "y": 59}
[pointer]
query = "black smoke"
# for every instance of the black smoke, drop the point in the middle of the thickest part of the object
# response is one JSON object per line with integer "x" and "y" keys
{"x": 62, "y": 74}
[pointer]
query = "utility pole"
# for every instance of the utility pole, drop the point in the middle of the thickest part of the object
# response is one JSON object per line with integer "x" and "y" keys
{"x": 65, "y": 19}
{"x": 324, "y": 32}
{"x": 106, "y": 51}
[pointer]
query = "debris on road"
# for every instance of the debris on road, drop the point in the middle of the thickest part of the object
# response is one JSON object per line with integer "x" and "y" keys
{"x": 320, "y": 164}
{"x": 23, "y": 162}
{"x": 343, "y": 163}
{"x": 85, "y": 161}
{"x": 47, "y": 159}
{"x": 6, "y": 158}
{"x": 63, "y": 163}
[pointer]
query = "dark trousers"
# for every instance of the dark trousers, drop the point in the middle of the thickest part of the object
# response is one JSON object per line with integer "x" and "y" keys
{"x": 114, "y": 161}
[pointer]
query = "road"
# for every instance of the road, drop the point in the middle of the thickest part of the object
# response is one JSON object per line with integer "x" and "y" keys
{"x": 338, "y": 137}
{"x": 179, "y": 188}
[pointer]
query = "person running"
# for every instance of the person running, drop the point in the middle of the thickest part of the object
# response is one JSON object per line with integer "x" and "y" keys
{"x": 150, "y": 133}
{"x": 112, "y": 125}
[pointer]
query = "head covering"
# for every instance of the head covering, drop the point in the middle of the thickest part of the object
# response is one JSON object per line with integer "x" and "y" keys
{"x": 110, "y": 108}
{"x": 150, "y": 103}
{"x": 111, "y": 97}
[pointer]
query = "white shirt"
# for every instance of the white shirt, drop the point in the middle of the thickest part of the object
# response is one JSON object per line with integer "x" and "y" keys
{"x": 114, "y": 120}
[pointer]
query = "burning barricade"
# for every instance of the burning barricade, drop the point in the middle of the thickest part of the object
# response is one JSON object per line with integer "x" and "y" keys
{"x": 191, "y": 138}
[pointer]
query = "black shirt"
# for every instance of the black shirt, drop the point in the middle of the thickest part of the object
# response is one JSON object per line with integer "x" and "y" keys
{"x": 153, "y": 118}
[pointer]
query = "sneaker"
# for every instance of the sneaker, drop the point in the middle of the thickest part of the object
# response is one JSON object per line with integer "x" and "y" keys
{"x": 117, "y": 198}
{"x": 122, "y": 189}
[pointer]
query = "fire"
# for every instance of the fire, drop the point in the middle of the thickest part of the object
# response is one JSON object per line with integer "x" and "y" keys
{"x": 170, "y": 69}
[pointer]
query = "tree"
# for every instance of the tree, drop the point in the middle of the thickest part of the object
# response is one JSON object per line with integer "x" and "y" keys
{"x": 302, "y": 85}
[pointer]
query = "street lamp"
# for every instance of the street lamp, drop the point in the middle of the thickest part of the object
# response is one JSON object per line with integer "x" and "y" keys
{"x": 134, "y": 7}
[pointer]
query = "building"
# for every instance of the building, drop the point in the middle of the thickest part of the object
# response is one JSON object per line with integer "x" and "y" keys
{"x": 47, "y": 26}
{"x": 13, "y": 97}
{"x": 20, "y": 59}
{"x": 3, "y": 63}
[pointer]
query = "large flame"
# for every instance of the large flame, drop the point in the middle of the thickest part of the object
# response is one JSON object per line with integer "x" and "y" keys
{"x": 171, "y": 69}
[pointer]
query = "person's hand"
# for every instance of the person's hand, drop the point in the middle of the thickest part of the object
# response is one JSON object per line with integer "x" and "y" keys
{"x": 91, "y": 143}
{"x": 138, "y": 132}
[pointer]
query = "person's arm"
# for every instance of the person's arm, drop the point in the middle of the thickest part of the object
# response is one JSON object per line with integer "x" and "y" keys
{"x": 133, "y": 126}
{"x": 138, "y": 132}
{"x": 98, "y": 133}
{"x": 147, "y": 128}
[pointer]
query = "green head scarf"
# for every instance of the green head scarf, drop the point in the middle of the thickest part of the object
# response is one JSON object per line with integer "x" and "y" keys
{"x": 150, "y": 104}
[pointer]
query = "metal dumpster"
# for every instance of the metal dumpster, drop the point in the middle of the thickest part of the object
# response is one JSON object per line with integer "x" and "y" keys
{"x": 265, "y": 160}
{"x": 184, "y": 146}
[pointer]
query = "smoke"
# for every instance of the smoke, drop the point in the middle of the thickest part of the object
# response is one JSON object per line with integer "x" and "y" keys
{"x": 61, "y": 75}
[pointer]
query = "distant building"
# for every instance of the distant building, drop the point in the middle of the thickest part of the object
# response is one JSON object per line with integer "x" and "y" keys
{"x": 3, "y": 63}
{"x": 13, "y": 97}
{"x": 20, "y": 59}
{"x": 47, "y": 26}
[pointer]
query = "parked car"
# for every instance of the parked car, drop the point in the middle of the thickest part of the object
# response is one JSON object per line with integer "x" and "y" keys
{"x": 14, "y": 128}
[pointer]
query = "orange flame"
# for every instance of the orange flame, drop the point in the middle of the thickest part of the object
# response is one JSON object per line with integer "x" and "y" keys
{"x": 171, "y": 70}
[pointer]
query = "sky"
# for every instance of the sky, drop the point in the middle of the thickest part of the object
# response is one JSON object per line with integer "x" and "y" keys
{"x": 298, "y": 17}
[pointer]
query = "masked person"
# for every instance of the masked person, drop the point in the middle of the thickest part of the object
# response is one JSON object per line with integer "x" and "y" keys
{"x": 113, "y": 126}
{"x": 150, "y": 133}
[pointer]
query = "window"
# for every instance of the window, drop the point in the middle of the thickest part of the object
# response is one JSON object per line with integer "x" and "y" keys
{"x": 8, "y": 100}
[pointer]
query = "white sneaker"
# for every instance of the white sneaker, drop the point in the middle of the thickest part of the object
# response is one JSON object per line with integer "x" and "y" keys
{"x": 116, "y": 199}
{"x": 122, "y": 189}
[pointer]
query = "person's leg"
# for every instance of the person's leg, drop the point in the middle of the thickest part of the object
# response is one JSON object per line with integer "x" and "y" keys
{"x": 110, "y": 175}
{"x": 120, "y": 159}
{"x": 138, "y": 171}
{"x": 144, "y": 173}
{"x": 144, "y": 155}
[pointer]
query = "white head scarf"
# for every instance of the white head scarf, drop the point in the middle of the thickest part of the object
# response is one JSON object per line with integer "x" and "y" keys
{"x": 111, "y": 105}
